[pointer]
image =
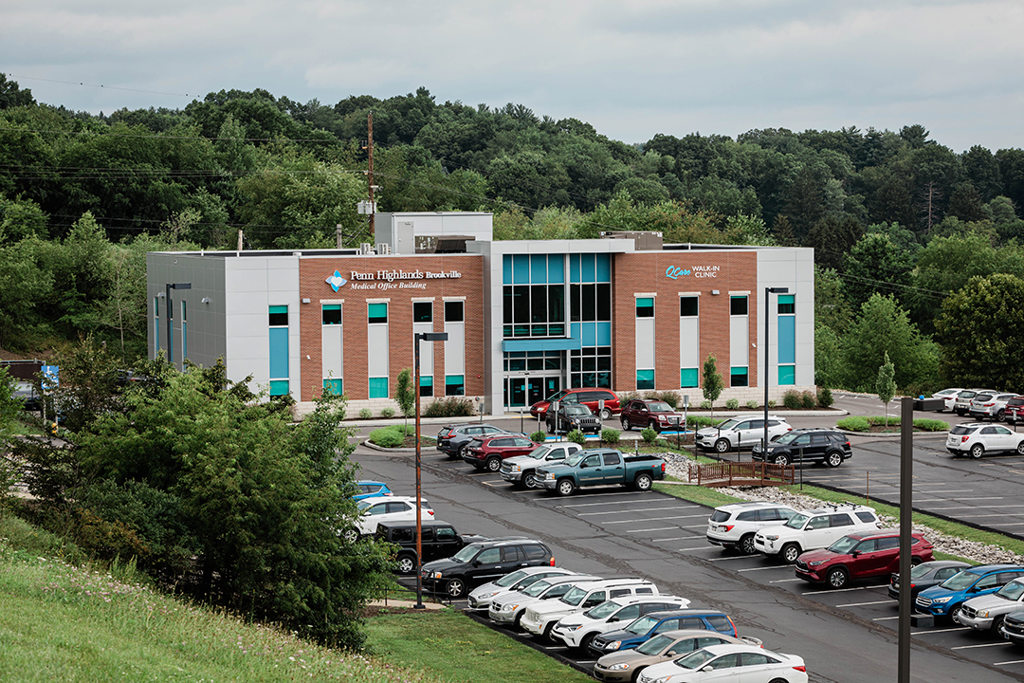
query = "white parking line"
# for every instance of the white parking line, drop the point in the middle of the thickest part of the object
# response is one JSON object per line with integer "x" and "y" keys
{"x": 653, "y": 519}
{"x": 941, "y": 630}
{"x": 885, "y": 618}
{"x": 1012, "y": 661}
{"x": 836, "y": 590}
{"x": 674, "y": 538}
{"x": 660, "y": 528}
{"x": 971, "y": 507}
{"x": 619, "y": 512}
{"x": 971, "y": 647}
{"x": 785, "y": 580}
{"x": 864, "y": 604}
{"x": 697, "y": 547}
{"x": 595, "y": 495}
{"x": 759, "y": 569}
{"x": 728, "y": 559}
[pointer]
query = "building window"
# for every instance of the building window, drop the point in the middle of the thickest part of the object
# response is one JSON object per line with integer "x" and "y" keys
{"x": 378, "y": 387}
{"x": 423, "y": 311}
{"x": 787, "y": 339}
{"x": 787, "y": 374}
{"x": 330, "y": 314}
{"x": 454, "y": 385}
{"x": 738, "y": 305}
{"x": 787, "y": 304}
{"x": 156, "y": 323}
{"x": 738, "y": 376}
{"x": 688, "y": 306}
{"x": 278, "y": 351}
{"x": 454, "y": 311}
{"x": 278, "y": 316}
{"x": 426, "y": 386}
{"x": 333, "y": 386}
{"x": 332, "y": 365}
{"x": 644, "y": 379}
{"x": 377, "y": 313}
{"x": 645, "y": 307}
{"x": 591, "y": 366}
{"x": 689, "y": 378}
{"x": 278, "y": 387}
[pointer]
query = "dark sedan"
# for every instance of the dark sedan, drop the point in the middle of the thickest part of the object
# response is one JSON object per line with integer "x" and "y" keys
{"x": 926, "y": 575}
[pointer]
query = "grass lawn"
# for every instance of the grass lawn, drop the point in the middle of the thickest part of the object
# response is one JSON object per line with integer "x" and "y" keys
{"x": 455, "y": 648}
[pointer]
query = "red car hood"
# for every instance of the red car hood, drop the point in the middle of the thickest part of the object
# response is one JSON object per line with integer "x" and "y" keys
{"x": 818, "y": 555}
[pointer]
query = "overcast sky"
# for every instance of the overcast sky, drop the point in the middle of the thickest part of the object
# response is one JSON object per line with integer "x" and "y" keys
{"x": 632, "y": 69}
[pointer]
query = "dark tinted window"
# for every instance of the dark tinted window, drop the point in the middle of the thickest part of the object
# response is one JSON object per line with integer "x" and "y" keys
{"x": 278, "y": 316}
{"x": 748, "y": 516}
{"x": 688, "y": 305}
{"x": 404, "y": 535}
{"x": 592, "y": 461}
{"x": 841, "y": 519}
{"x": 422, "y": 311}
{"x": 331, "y": 314}
{"x": 445, "y": 533}
{"x": 510, "y": 553}
{"x": 535, "y": 552}
{"x": 755, "y": 659}
{"x": 738, "y": 305}
{"x": 865, "y": 517}
{"x": 453, "y": 311}
{"x": 818, "y": 523}
{"x": 611, "y": 459}
{"x": 645, "y": 307}
{"x": 489, "y": 556}
{"x": 631, "y": 612}
{"x": 720, "y": 516}
{"x": 866, "y": 546}
{"x": 691, "y": 622}
{"x": 947, "y": 572}
{"x": 726, "y": 662}
{"x": 645, "y": 591}
{"x": 720, "y": 623}
{"x": 888, "y": 543}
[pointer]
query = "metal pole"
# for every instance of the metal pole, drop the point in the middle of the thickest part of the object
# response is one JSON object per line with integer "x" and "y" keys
{"x": 168, "y": 318}
{"x": 419, "y": 512}
{"x": 906, "y": 526}
{"x": 369, "y": 168}
{"x": 767, "y": 336}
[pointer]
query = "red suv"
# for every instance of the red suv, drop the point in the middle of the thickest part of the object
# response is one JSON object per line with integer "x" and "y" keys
{"x": 646, "y": 412}
{"x": 488, "y": 452}
{"x": 590, "y": 397}
{"x": 1014, "y": 410}
{"x": 859, "y": 556}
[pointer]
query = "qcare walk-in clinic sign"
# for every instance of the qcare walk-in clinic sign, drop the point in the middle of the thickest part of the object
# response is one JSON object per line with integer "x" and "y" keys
{"x": 385, "y": 279}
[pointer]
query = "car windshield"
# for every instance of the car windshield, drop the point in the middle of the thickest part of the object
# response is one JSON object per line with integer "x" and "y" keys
{"x": 555, "y": 397}
{"x": 509, "y": 579}
{"x": 787, "y": 437}
{"x": 574, "y": 596}
{"x": 729, "y": 424}
{"x": 575, "y": 458}
{"x": 959, "y": 582}
{"x": 844, "y": 545}
{"x": 796, "y": 521}
{"x": 540, "y": 452}
{"x": 642, "y": 625}
{"x": 694, "y": 660}
{"x": 1011, "y": 591}
{"x": 367, "y": 502}
{"x": 536, "y": 589}
{"x": 577, "y": 410}
{"x": 655, "y": 645}
{"x": 920, "y": 571}
{"x": 659, "y": 407}
{"x": 605, "y": 609}
{"x": 466, "y": 554}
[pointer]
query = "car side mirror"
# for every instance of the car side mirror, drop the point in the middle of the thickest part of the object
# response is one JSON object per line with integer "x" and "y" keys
{"x": 707, "y": 668}
{"x": 583, "y": 465}
{"x": 476, "y": 563}
{"x": 855, "y": 553}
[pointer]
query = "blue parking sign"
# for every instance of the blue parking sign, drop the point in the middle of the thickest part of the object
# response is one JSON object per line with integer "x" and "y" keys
{"x": 51, "y": 376}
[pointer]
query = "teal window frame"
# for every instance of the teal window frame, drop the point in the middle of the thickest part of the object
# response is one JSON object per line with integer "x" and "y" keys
{"x": 334, "y": 386}
{"x": 644, "y": 379}
{"x": 426, "y": 385}
{"x": 739, "y": 376}
{"x": 454, "y": 385}
{"x": 787, "y": 375}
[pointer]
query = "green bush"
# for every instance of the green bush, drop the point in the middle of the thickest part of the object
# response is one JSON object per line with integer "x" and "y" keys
{"x": 809, "y": 401}
{"x": 610, "y": 436}
{"x": 649, "y": 435}
{"x": 772, "y": 404}
{"x": 877, "y": 420}
{"x": 538, "y": 436}
{"x": 752, "y": 404}
{"x": 854, "y": 424}
{"x": 387, "y": 412}
{"x": 732, "y": 404}
{"x": 452, "y": 406}
{"x": 391, "y": 436}
{"x": 576, "y": 436}
{"x": 365, "y": 414}
{"x": 930, "y": 425}
{"x": 825, "y": 399}
{"x": 792, "y": 400}
{"x": 705, "y": 405}
{"x": 671, "y": 398}
{"x": 700, "y": 421}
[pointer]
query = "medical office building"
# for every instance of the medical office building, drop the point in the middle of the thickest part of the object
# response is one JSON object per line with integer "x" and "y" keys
{"x": 524, "y": 318}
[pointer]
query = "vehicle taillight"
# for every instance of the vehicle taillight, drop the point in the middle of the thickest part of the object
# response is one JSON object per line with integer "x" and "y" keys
{"x": 663, "y": 468}
{"x": 728, "y": 527}
{"x": 801, "y": 668}
{"x": 552, "y": 560}
{"x": 964, "y": 438}
{"x": 913, "y": 586}
{"x": 732, "y": 623}
{"x": 847, "y": 443}
{"x": 988, "y": 405}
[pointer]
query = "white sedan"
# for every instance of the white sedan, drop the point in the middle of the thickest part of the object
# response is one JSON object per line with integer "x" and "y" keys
{"x": 732, "y": 663}
{"x": 948, "y": 397}
{"x": 379, "y": 509}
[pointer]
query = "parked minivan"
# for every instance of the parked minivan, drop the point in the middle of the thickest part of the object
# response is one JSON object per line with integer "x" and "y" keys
{"x": 590, "y": 397}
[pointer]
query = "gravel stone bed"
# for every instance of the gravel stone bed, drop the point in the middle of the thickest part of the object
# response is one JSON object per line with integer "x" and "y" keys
{"x": 678, "y": 467}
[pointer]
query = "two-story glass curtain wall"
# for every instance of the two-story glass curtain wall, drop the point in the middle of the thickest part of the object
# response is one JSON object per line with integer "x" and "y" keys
{"x": 590, "y": 315}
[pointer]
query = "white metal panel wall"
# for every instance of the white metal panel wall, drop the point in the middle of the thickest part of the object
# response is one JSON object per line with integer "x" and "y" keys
{"x": 644, "y": 343}
{"x": 739, "y": 340}
{"x": 455, "y": 349}
{"x": 332, "y": 351}
{"x": 689, "y": 342}
{"x": 426, "y": 349}
{"x": 377, "y": 350}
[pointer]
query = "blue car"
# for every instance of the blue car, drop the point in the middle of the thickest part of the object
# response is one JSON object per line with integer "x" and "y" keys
{"x": 644, "y": 628}
{"x": 370, "y": 489}
{"x": 946, "y": 599}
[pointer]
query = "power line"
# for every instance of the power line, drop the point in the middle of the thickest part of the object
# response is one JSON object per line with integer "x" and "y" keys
{"x": 101, "y": 86}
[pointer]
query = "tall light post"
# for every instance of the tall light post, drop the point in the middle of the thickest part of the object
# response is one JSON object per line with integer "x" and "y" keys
{"x": 417, "y": 338}
{"x": 768, "y": 291}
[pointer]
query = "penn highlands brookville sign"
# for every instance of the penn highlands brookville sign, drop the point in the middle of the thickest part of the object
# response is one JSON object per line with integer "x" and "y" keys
{"x": 383, "y": 280}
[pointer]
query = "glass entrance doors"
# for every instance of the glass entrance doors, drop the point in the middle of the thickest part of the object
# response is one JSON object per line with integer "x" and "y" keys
{"x": 525, "y": 390}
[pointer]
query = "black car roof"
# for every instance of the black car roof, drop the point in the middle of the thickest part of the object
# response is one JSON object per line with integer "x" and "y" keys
{"x": 508, "y": 540}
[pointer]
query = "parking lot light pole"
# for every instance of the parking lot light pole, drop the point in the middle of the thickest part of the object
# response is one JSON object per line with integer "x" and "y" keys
{"x": 768, "y": 291}
{"x": 417, "y": 338}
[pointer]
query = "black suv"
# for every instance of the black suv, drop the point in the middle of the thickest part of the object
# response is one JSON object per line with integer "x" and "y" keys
{"x": 440, "y": 539}
{"x": 483, "y": 561}
{"x": 807, "y": 445}
{"x": 570, "y": 416}
{"x": 453, "y": 438}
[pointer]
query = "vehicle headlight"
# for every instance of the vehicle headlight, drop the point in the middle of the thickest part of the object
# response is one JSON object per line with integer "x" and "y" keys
{"x": 618, "y": 667}
{"x": 772, "y": 537}
{"x": 614, "y": 645}
{"x": 572, "y": 628}
{"x": 437, "y": 575}
{"x": 662, "y": 679}
{"x": 516, "y": 468}
{"x": 489, "y": 595}
{"x": 549, "y": 475}
{"x": 816, "y": 564}
{"x": 939, "y": 601}
{"x": 983, "y": 613}
{"x": 510, "y": 608}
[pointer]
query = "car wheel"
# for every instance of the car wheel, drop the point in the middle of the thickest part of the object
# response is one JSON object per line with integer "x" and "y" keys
{"x": 636, "y": 674}
{"x": 643, "y": 482}
{"x": 781, "y": 459}
{"x": 1000, "y": 415}
{"x": 625, "y": 425}
{"x": 837, "y": 577}
{"x": 546, "y": 635}
{"x": 406, "y": 564}
{"x": 493, "y": 464}
{"x": 914, "y": 561}
{"x": 605, "y": 414}
{"x": 586, "y": 640}
{"x": 746, "y": 545}
{"x": 530, "y": 480}
{"x": 566, "y": 487}
{"x": 455, "y": 588}
{"x": 790, "y": 552}
{"x": 778, "y": 680}
{"x": 954, "y": 611}
{"x": 722, "y": 445}
{"x": 977, "y": 450}
{"x": 351, "y": 534}
{"x": 834, "y": 459}
{"x": 1020, "y": 448}
{"x": 997, "y": 623}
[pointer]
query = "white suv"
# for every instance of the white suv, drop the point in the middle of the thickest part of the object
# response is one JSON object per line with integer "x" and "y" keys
{"x": 373, "y": 511}
{"x": 962, "y": 403}
{"x": 540, "y": 618}
{"x": 992, "y": 406}
{"x": 978, "y": 438}
{"x": 741, "y": 430}
{"x": 578, "y": 630}
{"x": 510, "y": 607}
{"x": 813, "y": 530}
{"x": 734, "y": 526}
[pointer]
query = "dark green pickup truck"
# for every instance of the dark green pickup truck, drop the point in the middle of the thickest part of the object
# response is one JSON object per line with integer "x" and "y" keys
{"x": 600, "y": 467}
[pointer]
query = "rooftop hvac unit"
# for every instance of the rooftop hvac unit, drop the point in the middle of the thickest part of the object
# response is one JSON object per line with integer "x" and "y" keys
{"x": 366, "y": 248}
{"x": 383, "y": 248}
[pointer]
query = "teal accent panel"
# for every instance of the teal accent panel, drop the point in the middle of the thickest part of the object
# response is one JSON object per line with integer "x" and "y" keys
{"x": 279, "y": 352}
{"x": 604, "y": 267}
{"x": 589, "y": 334}
{"x": 538, "y": 269}
{"x": 540, "y": 344}
{"x": 377, "y": 313}
{"x": 184, "y": 341}
{"x": 278, "y": 309}
{"x": 688, "y": 377}
{"x": 521, "y": 269}
{"x": 787, "y": 299}
{"x": 333, "y": 386}
{"x": 574, "y": 331}
{"x": 278, "y": 387}
{"x": 506, "y": 267}
{"x": 587, "y": 268}
{"x": 738, "y": 376}
{"x": 604, "y": 334}
{"x": 787, "y": 339}
{"x": 645, "y": 302}
{"x": 426, "y": 381}
{"x": 378, "y": 387}
{"x": 645, "y": 379}
{"x": 556, "y": 269}
{"x": 787, "y": 374}
{"x": 454, "y": 385}
{"x": 574, "y": 267}
{"x": 332, "y": 307}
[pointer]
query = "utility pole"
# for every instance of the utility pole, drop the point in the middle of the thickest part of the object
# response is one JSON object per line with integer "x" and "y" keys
{"x": 239, "y": 239}
{"x": 337, "y": 235}
{"x": 369, "y": 174}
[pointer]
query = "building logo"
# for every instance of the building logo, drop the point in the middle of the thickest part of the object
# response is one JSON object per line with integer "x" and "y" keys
{"x": 675, "y": 272}
{"x": 698, "y": 271}
{"x": 336, "y": 281}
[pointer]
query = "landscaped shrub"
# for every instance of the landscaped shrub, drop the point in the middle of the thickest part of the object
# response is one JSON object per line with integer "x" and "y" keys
{"x": 732, "y": 404}
{"x": 877, "y": 420}
{"x": 705, "y": 405}
{"x": 772, "y": 404}
{"x": 610, "y": 436}
{"x": 809, "y": 400}
{"x": 671, "y": 398}
{"x": 700, "y": 421}
{"x": 649, "y": 435}
{"x": 854, "y": 424}
{"x": 452, "y": 406}
{"x": 930, "y": 425}
{"x": 752, "y": 404}
{"x": 388, "y": 412}
{"x": 792, "y": 400}
{"x": 365, "y": 414}
{"x": 538, "y": 436}
{"x": 391, "y": 436}
{"x": 576, "y": 436}
{"x": 825, "y": 399}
